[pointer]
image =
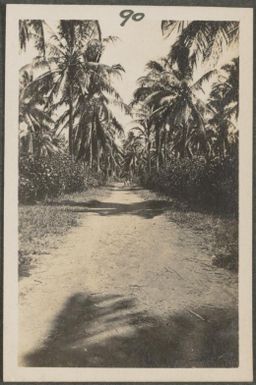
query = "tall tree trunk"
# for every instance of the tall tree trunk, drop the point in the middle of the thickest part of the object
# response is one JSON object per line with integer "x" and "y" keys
{"x": 165, "y": 148}
{"x": 149, "y": 156}
{"x": 90, "y": 156}
{"x": 108, "y": 166}
{"x": 98, "y": 156}
{"x": 91, "y": 144}
{"x": 31, "y": 145}
{"x": 158, "y": 149}
{"x": 157, "y": 162}
{"x": 183, "y": 141}
{"x": 70, "y": 132}
{"x": 158, "y": 155}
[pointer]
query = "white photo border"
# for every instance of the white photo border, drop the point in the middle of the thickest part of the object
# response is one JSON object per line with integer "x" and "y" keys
{"x": 12, "y": 372}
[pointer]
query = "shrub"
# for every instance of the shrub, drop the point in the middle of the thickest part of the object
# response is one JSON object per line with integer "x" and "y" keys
{"x": 48, "y": 177}
{"x": 213, "y": 183}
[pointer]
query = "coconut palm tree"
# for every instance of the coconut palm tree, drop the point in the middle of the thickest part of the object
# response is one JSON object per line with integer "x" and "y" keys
{"x": 32, "y": 30}
{"x": 134, "y": 160}
{"x": 36, "y": 125}
{"x": 176, "y": 110}
{"x": 198, "y": 41}
{"x": 144, "y": 129}
{"x": 65, "y": 57}
{"x": 97, "y": 128}
{"x": 224, "y": 104}
{"x": 74, "y": 77}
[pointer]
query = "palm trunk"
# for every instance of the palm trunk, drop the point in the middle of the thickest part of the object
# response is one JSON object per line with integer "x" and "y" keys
{"x": 90, "y": 155}
{"x": 149, "y": 156}
{"x": 157, "y": 162}
{"x": 109, "y": 167}
{"x": 158, "y": 150}
{"x": 91, "y": 144}
{"x": 30, "y": 146}
{"x": 183, "y": 142}
{"x": 158, "y": 154}
{"x": 70, "y": 132}
{"x": 165, "y": 149}
{"x": 98, "y": 156}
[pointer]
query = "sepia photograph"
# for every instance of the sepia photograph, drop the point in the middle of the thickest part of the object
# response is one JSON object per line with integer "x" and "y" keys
{"x": 129, "y": 142}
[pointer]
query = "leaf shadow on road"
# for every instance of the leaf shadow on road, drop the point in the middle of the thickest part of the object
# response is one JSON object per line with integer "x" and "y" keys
{"x": 146, "y": 209}
{"x": 109, "y": 331}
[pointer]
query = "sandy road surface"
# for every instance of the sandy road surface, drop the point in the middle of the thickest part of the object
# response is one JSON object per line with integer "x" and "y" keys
{"x": 127, "y": 288}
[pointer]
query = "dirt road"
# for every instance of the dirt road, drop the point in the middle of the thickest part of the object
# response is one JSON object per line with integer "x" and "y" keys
{"x": 128, "y": 288}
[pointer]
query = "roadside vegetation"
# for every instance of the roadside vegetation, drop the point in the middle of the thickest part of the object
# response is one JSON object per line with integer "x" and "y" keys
{"x": 185, "y": 136}
{"x": 184, "y": 142}
{"x": 42, "y": 225}
{"x": 68, "y": 135}
{"x": 68, "y": 132}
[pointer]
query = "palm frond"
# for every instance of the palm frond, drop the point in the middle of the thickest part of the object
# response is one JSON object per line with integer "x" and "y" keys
{"x": 110, "y": 39}
{"x": 170, "y": 26}
{"x": 204, "y": 78}
{"x": 155, "y": 66}
{"x": 118, "y": 126}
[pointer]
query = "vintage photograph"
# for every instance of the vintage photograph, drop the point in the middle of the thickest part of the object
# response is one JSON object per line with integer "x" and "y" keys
{"x": 128, "y": 143}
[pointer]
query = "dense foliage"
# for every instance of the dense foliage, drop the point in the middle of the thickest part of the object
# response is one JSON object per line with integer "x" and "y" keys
{"x": 66, "y": 99}
{"x": 184, "y": 142}
{"x": 212, "y": 184}
{"x": 185, "y": 136}
{"x": 50, "y": 176}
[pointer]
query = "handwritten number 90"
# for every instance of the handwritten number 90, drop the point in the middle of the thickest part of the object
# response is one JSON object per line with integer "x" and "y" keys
{"x": 127, "y": 13}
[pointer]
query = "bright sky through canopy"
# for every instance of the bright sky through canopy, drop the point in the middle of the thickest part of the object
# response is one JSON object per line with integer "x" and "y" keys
{"x": 139, "y": 42}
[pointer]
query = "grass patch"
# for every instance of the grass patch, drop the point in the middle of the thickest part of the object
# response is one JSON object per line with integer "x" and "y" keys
{"x": 42, "y": 225}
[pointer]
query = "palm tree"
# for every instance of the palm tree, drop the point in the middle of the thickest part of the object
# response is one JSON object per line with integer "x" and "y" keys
{"x": 224, "y": 102}
{"x": 97, "y": 128}
{"x": 198, "y": 41}
{"x": 32, "y": 30}
{"x": 36, "y": 125}
{"x": 133, "y": 158}
{"x": 186, "y": 104}
{"x": 94, "y": 121}
{"x": 74, "y": 77}
{"x": 144, "y": 127}
{"x": 177, "y": 111}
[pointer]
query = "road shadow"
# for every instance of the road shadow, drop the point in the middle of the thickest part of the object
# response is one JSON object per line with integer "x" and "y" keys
{"x": 107, "y": 331}
{"x": 125, "y": 188}
{"x": 146, "y": 209}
